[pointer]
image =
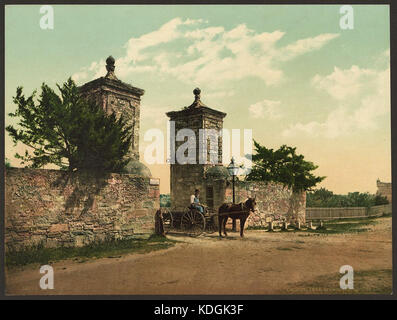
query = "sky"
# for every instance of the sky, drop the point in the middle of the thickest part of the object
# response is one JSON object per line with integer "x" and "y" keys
{"x": 288, "y": 72}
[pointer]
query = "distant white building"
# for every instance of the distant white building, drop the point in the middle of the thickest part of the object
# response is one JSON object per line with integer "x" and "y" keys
{"x": 384, "y": 189}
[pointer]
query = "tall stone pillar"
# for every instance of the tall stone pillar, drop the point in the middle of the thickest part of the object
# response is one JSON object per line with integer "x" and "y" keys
{"x": 185, "y": 178}
{"x": 122, "y": 99}
{"x": 119, "y": 97}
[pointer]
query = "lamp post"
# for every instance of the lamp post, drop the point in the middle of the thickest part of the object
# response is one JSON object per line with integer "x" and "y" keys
{"x": 233, "y": 171}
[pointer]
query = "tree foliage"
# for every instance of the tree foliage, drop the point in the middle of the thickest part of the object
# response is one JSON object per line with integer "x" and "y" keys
{"x": 327, "y": 199}
{"x": 7, "y": 163}
{"x": 284, "y": 166}
{"x": 69, "y": 131}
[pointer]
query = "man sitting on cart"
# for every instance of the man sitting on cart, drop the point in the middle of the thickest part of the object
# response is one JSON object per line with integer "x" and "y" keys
{"x": 195, "y": 201}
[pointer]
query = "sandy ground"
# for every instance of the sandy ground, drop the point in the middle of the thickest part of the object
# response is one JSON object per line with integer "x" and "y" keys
{"x": 261, "y": 263}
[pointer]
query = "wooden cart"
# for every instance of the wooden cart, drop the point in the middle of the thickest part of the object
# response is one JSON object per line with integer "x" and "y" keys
{"x": 190, "y": 221}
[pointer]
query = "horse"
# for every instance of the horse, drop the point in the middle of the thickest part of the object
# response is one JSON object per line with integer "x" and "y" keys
{"x": 235, "y": 211}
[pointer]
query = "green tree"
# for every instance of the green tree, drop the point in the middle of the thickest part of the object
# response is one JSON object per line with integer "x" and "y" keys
{"x": 379, "y": 200}
{"x": 284, "y": 166}
{"x": 319, "y": 197}
{"x": 69, "y": 131}
{"x": 7, "y": 163}
{"x": 327, "y": 199}
{"x": 357, "y": 199}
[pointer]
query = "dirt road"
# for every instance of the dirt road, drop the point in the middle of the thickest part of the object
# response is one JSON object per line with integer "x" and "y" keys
{"x": 261, "y": 263}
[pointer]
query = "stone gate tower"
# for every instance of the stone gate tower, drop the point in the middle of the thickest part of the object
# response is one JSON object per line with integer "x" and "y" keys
{"x": 123, "y": 99}
{"x": 185, "y": 178}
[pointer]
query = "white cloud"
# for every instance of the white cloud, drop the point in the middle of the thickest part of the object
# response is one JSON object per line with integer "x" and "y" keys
{"x": 166, "y": 33}
{"x": 206, "y": 33}
{"x": 80, "y": 76}
{"x": 265, "y": 109}
{"x": 306, "y": 45}
{"x": 96, "y": 69}
{"x": 342, "y": 84}
{"x": 337, "y": 123}
{"x": 192, "y": 52}
{"x": 219, "y": 94}
{"x": 361, "y": 95}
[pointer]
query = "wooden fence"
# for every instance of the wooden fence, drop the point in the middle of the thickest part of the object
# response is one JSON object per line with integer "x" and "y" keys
{"x": 347, "y": 212}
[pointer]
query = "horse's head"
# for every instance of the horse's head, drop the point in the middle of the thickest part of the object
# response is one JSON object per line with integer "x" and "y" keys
{"x": 251, "y": 204}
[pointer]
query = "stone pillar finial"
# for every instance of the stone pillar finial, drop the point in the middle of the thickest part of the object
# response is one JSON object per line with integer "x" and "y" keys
{"x": 196, "y": 93}
{"x": 110, "y": 68}
{"x": 197, "y": 102}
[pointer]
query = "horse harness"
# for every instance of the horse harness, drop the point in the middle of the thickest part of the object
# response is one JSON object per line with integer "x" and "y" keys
{"x": 244, "y": 209}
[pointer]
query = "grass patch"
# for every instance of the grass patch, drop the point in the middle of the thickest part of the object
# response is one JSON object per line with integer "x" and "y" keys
{"x": 355, "y": 220}
{"x": 338, "y": 226}
{"x": 343, "y": 226}
{"x": 107, "y": 249}
{"x": 365, "y": 282}
{"x": 386, "y": 215}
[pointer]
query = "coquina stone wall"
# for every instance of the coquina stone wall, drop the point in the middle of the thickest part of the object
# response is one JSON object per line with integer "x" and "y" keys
{"x": 274, "y": 202}
{"x": 57, "y": 208}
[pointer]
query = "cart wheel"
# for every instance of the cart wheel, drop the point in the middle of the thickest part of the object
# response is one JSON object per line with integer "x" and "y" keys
{"x": 193, "y": 222}
{"x": 168, "y": 221}
{"x": 212, "y": 224}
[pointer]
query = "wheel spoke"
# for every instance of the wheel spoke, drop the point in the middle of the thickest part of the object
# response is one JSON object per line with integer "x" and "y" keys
{"x": 193, "y": 222}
